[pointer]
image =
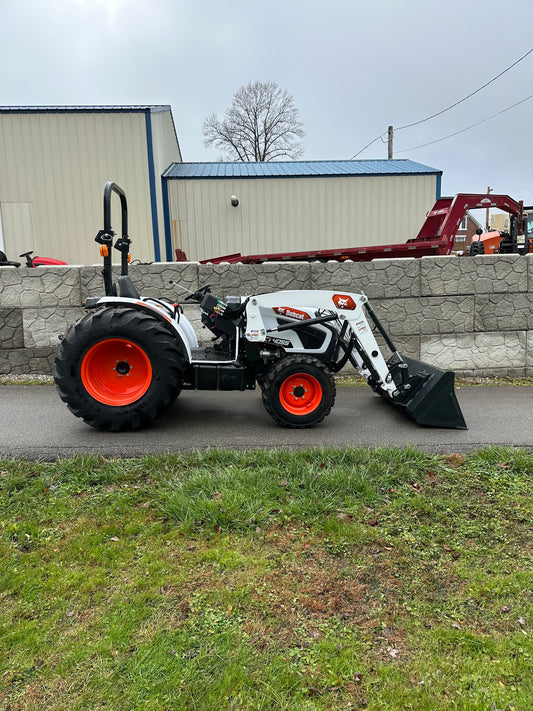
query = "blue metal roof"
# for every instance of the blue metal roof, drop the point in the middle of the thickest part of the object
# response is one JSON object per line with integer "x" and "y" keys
{"x": 289, "y": 169}
{"x": 155, "y": 108}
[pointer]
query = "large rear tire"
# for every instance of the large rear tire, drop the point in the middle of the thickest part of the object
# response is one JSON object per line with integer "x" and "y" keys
{"x": 118, "y": 369}
{"x": 298, "y": 391}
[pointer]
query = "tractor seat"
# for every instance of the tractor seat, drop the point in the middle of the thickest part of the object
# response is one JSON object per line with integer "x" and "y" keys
{"x": 127, "y": 288}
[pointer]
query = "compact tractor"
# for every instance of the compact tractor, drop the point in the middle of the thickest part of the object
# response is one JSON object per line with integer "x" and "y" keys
{"x": 123, "y": 363}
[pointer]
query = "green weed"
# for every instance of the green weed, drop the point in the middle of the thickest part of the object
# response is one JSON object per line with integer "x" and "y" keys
{"x": 326, "y": 579}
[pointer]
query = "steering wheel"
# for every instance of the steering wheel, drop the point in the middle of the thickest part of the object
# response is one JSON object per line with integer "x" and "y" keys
{"x": 28, "y": 257}
{"x": 197, "y": 295}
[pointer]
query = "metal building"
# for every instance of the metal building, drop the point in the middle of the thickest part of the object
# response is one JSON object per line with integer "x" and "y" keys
{"x": 54, "y": 163}
{"x": 214, "y": 209}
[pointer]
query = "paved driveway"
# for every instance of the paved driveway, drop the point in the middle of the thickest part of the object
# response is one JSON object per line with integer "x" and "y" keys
{"x": 34, "y": 423}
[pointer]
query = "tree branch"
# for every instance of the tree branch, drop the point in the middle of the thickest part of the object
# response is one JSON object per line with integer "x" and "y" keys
{"x": 261, "y": 124}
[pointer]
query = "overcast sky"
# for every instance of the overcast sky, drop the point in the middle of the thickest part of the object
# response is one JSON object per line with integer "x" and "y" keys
{"x": 353, "y": 67}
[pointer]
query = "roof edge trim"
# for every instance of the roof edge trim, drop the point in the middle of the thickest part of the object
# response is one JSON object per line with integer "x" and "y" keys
{"x": 154, "y": 108}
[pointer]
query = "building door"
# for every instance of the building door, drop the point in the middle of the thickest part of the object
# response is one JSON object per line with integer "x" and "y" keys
{"x": 16, "y": 228}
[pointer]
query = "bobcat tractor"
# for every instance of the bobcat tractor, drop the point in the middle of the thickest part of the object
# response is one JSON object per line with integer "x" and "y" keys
{"x": 125, "y": 362}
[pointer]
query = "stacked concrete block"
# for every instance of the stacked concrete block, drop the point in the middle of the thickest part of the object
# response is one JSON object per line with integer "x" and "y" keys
{"x": 495, "y": 289}
{"x": 471, "y": 315}
{"x": 38, "y": 305}
{"x": 379, "y": 279}
{"x": 480, "y": 354}
{"x": 244, "y": 279}
{"x": 149, "y": 279}
{"x": 11, "y": 330}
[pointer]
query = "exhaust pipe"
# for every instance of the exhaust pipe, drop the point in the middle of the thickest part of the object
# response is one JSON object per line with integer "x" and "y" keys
{"x": 425, "y": 393}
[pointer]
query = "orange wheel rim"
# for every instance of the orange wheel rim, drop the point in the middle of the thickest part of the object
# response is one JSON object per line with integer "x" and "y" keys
{"x": 300, "y": 394}
{"x": 116, "y": 372}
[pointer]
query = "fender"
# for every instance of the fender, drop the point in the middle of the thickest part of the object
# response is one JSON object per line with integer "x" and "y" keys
{"x": 181, "y": 328}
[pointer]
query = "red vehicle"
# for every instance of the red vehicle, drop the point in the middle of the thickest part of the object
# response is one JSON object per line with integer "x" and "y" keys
{"x": 31, "y": 262}
{"x": 436, "y": 236}
{"x": 516, "y": 241}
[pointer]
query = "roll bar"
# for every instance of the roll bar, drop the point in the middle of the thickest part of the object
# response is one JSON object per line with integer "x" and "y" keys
{"x": 105, "y": 237}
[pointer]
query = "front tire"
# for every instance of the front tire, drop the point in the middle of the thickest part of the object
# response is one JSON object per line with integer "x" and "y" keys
{"x": 298, "y": 391}
{"x": 118, "y": 369}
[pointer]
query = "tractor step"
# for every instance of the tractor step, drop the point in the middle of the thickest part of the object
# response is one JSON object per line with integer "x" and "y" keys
{"x": 210, "y": 355}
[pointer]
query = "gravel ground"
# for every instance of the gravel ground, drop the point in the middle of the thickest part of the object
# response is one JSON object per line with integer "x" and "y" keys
{"x": 40, "y": 379}
{"x": 26, "y": 379}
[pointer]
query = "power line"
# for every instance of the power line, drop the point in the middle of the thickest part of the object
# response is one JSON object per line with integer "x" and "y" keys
{"x": 368, "y": 145}
{"x": 439, "y": 113}
{"x": 438, "y": 140}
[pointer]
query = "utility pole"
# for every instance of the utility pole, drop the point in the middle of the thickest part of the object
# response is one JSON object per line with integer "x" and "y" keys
{"x": 391, "y": 138}
{"x": 487, "y": 226}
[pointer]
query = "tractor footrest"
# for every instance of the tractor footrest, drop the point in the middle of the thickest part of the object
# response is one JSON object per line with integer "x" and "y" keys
{"x": 210, "y": 355}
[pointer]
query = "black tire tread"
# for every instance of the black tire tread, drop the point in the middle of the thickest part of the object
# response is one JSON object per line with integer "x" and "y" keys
{"x": 114, "y": 323}
{"x": 268, "y": 396}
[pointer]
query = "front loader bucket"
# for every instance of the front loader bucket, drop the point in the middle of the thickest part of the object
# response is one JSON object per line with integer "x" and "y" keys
{"x": 430, "y": 398}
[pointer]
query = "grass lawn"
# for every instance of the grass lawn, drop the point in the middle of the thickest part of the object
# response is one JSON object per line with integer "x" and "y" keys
{"x": 329, "y": 579}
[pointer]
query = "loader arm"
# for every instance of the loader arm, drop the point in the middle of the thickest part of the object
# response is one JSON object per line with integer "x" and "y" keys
{"x": 422, "y": 391}
{"x": 262, "y": 319}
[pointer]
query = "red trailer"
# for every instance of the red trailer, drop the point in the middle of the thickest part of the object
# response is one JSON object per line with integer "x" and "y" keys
{"x": 436, "y": 236}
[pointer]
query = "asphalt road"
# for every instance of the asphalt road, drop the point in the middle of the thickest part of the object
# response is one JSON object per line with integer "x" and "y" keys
{"x": 35, "y": 424}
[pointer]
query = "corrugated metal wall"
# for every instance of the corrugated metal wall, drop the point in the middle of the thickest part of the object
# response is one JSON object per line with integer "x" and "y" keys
{"x": 293, "y": 214}
{"x": 165, "y": 150}
{"x": 17, "y": 219}
{"x": 58, "y": 163}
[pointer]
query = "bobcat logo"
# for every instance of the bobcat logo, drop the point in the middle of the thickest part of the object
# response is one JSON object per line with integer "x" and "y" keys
{"x": 344, "y": 302}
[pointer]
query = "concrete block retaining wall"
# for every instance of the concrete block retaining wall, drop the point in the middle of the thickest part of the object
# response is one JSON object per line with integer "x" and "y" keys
{"x": 471, "y": 315}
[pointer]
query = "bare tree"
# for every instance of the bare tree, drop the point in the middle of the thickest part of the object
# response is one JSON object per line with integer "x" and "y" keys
{"x": 262, "y": 124}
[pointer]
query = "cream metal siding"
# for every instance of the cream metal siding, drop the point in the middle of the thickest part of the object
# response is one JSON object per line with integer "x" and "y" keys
{"x": 166, "y": 150}
{"x": 166, "y": 147}
{"x": 58, "y": 161}
{"x": 17, "y": 219}
{"x": 295, "y": 214}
